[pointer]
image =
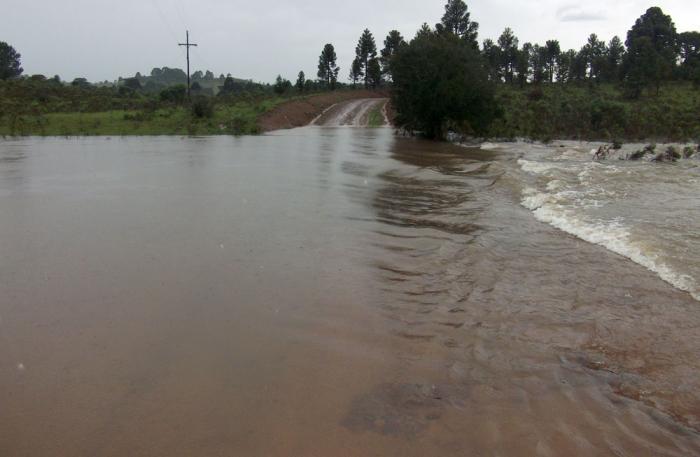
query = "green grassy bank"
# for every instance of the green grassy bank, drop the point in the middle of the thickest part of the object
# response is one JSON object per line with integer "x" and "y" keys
{"x": 236, "y": 118}
{"x": 597, "y": 112}
{"x": 549, "y": 111}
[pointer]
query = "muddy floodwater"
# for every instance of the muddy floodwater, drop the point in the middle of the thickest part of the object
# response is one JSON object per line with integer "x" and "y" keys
{"x": 328, "y": 292}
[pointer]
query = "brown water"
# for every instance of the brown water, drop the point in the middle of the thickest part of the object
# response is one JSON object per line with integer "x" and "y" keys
{"x": 321, "y": 292}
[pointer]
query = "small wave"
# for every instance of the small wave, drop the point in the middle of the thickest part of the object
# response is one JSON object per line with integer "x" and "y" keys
{"x": 537, "y": 168}
{"x": 489, "y": 146}
{"x": 613, "y": 235}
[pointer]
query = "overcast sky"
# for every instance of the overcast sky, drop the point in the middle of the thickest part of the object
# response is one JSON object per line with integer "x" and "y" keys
{"x": 101, "y": 39}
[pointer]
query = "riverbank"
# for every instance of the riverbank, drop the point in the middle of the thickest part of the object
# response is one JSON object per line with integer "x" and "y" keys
{"x": 546, "y": 112}
{"x": 228, "y": 117}
{"x": 597, "y": 112}
{"x": 301, "y": 112}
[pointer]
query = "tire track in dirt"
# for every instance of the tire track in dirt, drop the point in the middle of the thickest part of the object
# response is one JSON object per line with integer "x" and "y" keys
{"x": 354, "y": 113}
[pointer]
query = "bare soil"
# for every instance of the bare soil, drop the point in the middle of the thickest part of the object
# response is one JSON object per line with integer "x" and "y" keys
{"x": 300, "y": 112}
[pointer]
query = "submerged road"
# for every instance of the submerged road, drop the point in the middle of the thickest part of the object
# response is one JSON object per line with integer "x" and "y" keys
{"x": 320, "y": 292}
{"x": 355, "y": 113}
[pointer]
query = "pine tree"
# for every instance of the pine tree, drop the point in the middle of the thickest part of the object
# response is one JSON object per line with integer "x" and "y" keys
{"x": 652, "y": 51}
{"x": 614, "y": 53}
{"x": 492, "y": 58}
{"x": 9, "y": 62}
{"x": 508, "y": 44}
{"x": 282, "y": 85}
{"x": 424, "y": 31}
{"x": 538, "y": 62}
{"x": 327, "y": 68}
{"x": 356, "y": 72}
{"x": 564, "y": 65}
{"x": 374, "y": 73}
{"x": 523, "y": 64}
{"x": 365, "y": 51}
{"x": 690, "y": 54}
{"x": 392, "y": 43}
{"x": 301, "y": 82}
{"x": 457, "y": 20}
{"x": 552, "y": 52}
{"x": 594, "y": 52}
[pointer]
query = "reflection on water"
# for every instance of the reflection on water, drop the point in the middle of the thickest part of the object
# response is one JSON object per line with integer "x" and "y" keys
{"x": 321, "y": 291}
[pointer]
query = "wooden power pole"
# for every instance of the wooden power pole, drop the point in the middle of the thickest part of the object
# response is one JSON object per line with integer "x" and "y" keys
{"x": 188, "y": 45}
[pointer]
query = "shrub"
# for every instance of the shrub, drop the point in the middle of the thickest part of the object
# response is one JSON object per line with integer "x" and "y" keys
{"x": 174, "y": 94}
{"x": 535, "y": 94}
{"x": 202, "y": 107}
{"x": 638, "y": 155}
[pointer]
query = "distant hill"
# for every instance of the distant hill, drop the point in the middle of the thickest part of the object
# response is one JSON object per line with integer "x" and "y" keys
{"x": 206, "y": 82}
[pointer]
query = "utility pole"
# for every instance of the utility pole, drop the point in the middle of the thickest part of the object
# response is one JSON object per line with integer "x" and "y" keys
{"x": 188, "y": 45}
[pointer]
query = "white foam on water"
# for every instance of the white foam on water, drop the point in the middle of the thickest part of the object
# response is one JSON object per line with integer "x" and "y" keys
{"x": 537, "y": 168}
{"x": 613, "y": 235}
{"x": 571, "y": 193}
{"x": 489, "y": 146}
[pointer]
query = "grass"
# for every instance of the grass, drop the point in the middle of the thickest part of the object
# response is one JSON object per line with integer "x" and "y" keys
{"x": 599, "y": 112}
{"x": 587, "y": 112}
{"x": 376, "y": 117}
{"x": 237, "y": 118}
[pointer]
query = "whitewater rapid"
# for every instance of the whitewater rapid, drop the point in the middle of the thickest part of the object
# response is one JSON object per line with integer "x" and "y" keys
{"x": 646, "y": 212}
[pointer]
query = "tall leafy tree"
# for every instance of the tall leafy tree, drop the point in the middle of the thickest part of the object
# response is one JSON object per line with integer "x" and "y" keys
{"x": 457, "y": 20}
{"x": 508, "y": 45}
{"x": 652, "y": 42}
{"x": 392, "y": 43}
{"x": 365, "y": 51}
{"x": 10, "y": 65}
{"x": 327, "y": 67}
{"x": 439, "y": 83}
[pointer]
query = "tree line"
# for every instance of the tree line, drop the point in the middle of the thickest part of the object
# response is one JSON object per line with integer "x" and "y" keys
{"x": 653, "y": 53}
{"x": 444, "y": 79}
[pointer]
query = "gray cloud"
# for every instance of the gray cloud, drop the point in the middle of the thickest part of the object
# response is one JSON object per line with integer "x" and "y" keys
{"x": 573, "y": 13}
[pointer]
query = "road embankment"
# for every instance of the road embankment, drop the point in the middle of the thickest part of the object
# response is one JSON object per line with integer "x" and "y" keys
{"x": 300, "y": 112}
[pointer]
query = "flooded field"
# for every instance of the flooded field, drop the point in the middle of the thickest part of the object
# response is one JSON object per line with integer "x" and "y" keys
{"x": 330, "y": 292}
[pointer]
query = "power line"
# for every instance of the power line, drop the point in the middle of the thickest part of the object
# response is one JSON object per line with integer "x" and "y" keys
{"x": 163, "y": 19}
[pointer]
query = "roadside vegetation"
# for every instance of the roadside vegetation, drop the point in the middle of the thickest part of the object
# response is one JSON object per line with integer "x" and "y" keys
{"x": 442, "y": 81}
{"x": 48, "y": 107}
{"x": 376, "y": 117}
{"x": 596, "y": 112}
{"x": 646, "y": 87}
